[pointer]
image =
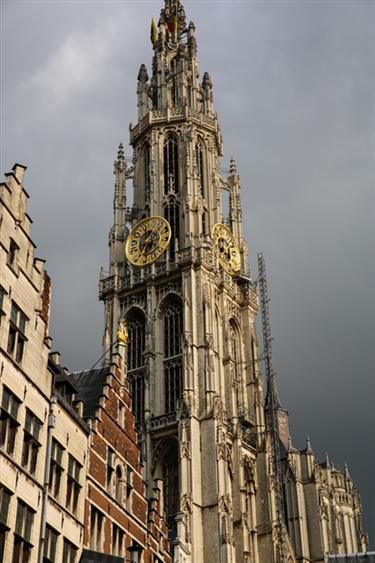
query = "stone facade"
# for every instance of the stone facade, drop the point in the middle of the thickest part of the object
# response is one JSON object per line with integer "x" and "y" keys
{"x": 71, "y": 483}
{"x": 193, "y": 361}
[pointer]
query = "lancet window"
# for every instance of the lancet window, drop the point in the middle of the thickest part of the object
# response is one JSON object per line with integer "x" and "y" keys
{"x": 146, "y": 170}
{"x": 200, "y": 167}
{"x": 172, "y": 215}
{"x": 174, "y": 87}
{"x": 172, "y": 355}
{"x": 171, "y": 488}
{"x": 136, "y": 362}
{"x": 171, "y": 176}
{"x": 235, "y": 350}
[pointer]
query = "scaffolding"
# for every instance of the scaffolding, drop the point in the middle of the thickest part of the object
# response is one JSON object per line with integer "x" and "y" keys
{"x": 272, "y": 425}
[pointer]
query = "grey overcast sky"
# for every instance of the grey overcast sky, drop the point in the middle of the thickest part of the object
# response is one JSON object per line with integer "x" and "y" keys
{"x": 294, "y": 90}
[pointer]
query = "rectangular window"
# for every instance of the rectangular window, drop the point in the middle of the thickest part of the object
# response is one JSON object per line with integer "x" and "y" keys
{"x": 12, "y": 254}
{"x": 50, "y": 542}
{"x": 110, "y": 468}
{"x": 69, "y": 552}
{"x": 129, "y": 487}
{"x": 5, "y": 496}
{"x": 8, "y": 420}
{"x": 31, "y": 442}
{"x": 56, "y": 468}
{"x": 16, "y": 337}
{"x": 22, "y": 536}
{"x": 118, "y": 541}
{"x": 96, "y": 529}
{"x": 2, "y": 296}
{"x": 73, "y": 484}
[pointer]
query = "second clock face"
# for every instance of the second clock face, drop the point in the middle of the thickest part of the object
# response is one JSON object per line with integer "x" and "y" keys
{"x": 147, "y": 241}
{"x": 229, "y": 254}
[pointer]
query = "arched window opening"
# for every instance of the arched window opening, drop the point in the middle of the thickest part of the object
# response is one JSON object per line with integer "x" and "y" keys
{"x": 235, "y": 351}
{"x": 146, "y": 170}
{"x": 200, "y": 167}
{"x": 136, "y": 363}
{"x": 172, "y": 355}
{"x": 171, "y": 177}
{"x": 172, "y": 215}
{"x": 171, "y": 489}
{"x": 174, "y": 85}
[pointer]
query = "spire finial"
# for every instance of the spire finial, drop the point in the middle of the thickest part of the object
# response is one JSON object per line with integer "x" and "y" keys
{"x": 233, "y": 166}
{"x": 347, "y": 474}
{"x": 309, "y": 449}
{"x": 328, "y": 463}
{"x": 120, "y": 164}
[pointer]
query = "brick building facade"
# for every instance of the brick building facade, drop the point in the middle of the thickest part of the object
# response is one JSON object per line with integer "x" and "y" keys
{"x": 71, "y": 485}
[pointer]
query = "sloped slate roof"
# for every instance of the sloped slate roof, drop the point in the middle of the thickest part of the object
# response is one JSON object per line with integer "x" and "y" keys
{"x": 89, "y": 384}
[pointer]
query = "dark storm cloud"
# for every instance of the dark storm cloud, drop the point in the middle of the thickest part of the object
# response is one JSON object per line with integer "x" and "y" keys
{"x": 294, "y": 88}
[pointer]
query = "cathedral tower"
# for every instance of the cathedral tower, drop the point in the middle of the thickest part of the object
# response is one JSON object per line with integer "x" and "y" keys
{"x": 192, "y": 364}
{"x": 235, "y": 489}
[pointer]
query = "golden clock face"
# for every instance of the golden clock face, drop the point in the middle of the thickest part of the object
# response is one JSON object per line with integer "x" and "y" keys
{"x": 229, "y": 254}
{"x": 147, "y": 241}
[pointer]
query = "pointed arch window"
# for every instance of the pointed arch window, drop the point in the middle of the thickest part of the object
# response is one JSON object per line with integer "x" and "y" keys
{"x": 171, "y": 176}
{"x": 170, "y": 476}
{"x": 172, "y": 355}
{"x": 146, "y": 170}
{"x": 172, "y": 215}
{"x": 235, "y": 349}
{"x": 200, "y": 166}
{"x": 174, "y": 85}
{"x": 136, "y": 362}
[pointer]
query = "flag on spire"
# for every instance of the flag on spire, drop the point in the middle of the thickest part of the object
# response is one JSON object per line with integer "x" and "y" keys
{"x": 154, "y": 32}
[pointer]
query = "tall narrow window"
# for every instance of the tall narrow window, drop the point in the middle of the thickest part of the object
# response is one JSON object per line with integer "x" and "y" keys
{"x": 69, "y": 552}
{"x": 136, "y": 363}
{"x": 2, "y": 296}
{"x": 200, "y": 168}
{"x": 172, "y": 215}
{"x": 16, "y": 336}
{"x": 146, "y": 166}
{"x": 171, "y": 176}
{"x": 56, "y": 469}
{"x": 96, "y": 529}
{"x": 8, "y": 420}
{"x": 174, "y": 85}
{"x": 31, "y": 443}
{"x": 12, "y": 253}
{"x": 119, "y": 484}
{"x": 22, "y": 534}
{"x": 50, "y": 544}
{"x": 5, "y": 496}
{"x": 171, "y": 489}
{"x": 118, "y": 541}
{"x": 73, "y": 486}
{"x": 172, "y": 355}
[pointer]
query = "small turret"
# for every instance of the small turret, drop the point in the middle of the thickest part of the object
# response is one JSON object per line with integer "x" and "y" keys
{"x": 119, "y": 199}
{"x": 207, "y": 93}
{"x": 142, "y": 92}
{"x": 308, "y": 448}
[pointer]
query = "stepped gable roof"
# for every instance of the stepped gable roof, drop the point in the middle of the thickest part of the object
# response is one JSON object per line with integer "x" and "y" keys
{"x": 89, "y": 384}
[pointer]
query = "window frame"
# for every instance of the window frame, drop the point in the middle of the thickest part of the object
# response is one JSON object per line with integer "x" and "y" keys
{"x": 16, "y": 335}
{"x": 73, "y": 485}
{"x": 31, "y": 443}
{"x": 9, "y": 423}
